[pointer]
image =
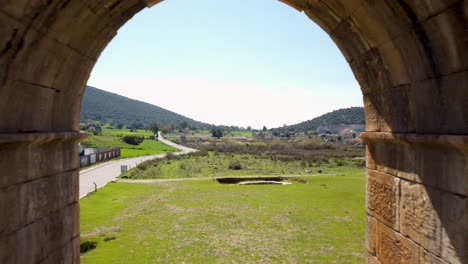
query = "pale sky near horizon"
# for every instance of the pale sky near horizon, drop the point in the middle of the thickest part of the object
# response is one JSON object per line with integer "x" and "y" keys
{"x": 243, "y": 62}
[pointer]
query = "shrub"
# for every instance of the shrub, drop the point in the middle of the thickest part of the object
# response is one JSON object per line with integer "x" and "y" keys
{"x": 235, "y": 165}
{"x": 110, "y": 238}
{"x": 87, "y": 246}
{"x": 144, "y": 165}
{"x": 133, "y": 140}
{"x": 171, "y": 156}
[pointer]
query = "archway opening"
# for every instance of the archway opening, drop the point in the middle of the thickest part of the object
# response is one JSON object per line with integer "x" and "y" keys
{"x": 409, "y": 58}
{"x": 247, "y": 70}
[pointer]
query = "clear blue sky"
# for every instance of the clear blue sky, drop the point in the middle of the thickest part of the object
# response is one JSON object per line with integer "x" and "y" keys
{"x": 242, "y": 62}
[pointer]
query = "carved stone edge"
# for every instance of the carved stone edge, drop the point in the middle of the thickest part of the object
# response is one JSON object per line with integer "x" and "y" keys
{"x": 459, "y": 142}
{"x": 151, "y": 3}
{"x": 40, "y": 138}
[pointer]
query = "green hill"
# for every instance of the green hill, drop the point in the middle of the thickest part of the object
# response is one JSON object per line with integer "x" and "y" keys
{"x": 347, "y": 116}
{"x": 99, "y": 105}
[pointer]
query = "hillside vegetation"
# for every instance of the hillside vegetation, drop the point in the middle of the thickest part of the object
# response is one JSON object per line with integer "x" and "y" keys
{"x": 99, "y": 105}
{"x": 346, "y": 116}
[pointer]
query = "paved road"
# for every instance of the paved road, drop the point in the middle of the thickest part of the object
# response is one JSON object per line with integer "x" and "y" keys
{"x": 109, "y": 171}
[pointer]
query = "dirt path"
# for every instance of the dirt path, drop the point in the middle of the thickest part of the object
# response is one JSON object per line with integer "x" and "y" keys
{"x": 98, "y": 176}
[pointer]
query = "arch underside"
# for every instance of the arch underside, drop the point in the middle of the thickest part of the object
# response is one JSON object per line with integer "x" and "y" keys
{"x": 409, "y": 56}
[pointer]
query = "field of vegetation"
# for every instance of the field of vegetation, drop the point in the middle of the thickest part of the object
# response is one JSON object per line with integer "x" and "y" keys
{"x": 227, "y": 157}
{"x": 112, "y": 138}
{"x": 214, "y": 164}
{"x": 202, "y": 221}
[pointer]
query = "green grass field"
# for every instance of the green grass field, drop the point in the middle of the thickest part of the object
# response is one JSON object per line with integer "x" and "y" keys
{"x": 148, "y": 147}
{"x": 203, "y": 221}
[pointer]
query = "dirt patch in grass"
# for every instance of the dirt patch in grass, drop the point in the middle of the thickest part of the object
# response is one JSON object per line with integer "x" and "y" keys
{"x": 236, "y": 180}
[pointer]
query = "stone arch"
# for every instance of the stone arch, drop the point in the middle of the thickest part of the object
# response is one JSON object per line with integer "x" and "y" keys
{"x": 409, "y": 56}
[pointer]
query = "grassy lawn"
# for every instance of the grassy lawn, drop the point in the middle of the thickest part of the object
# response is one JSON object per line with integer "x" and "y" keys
{"x": 206, "y": 222}
{"x": 111, "y": 139}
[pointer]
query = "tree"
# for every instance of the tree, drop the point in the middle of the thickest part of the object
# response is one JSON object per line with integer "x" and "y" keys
{"x": 165, "y": 129}
{"x": 133, "y": 140}
{"x": 183, "y": 125}
{"x": 153, "y": 126}
{"x": 216, "y": 132}
{"x": 264, "y": 129}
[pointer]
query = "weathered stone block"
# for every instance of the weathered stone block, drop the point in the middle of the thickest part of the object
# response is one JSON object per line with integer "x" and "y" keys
{"x": 393, "y": 248}
{"x": 370, "y": 161}
{"x": 393, "y": 108}
{"x": 394, "y": 158}
{"x": 454, "y": 228}
{"x": 407, "y": 47}
{"x": 321, "y": 14}
{"x": 394, "y": 60}
{"x": 427, "y": 111}
{"x": 76, "y": 26}
{"x": 344, "y": 8}
{"x": 371, "y": 235}
{"x": 297, "y": 4}
{"x": 24, "y": 246}
{"x": 26, "y": 203}
{"x": 383, "y": 198}
{"x": 419, "y": 216}
{"x": 371, "y": 73}
{"x": 350, "y": 40}
{"x": 36, "y": 161}
{"x": 34, "y": 116}
{"x": 121, "y": 11}
{"x": 424, "y": 9}
{"x": 115, "y": 10}
{"x": 69, "y": 254}
{"x": 449, "y": 51}
{"x": 443, "y": 114}
{"x": 39, "y": 52}
{"x": 426, "y": 257}
{"x": 443, "y": 168}
{"x": 374, "y": 121}
{"x": 17, "y": 9}
{"x": 61, "y": 228}
{"x": 69, "y": 100}
{"x": 377, "y": 21}
{"x": 372, "y": 259}
{"x": 10, "y": 42}
{"x": 454, "y": 102}
{"x": 34, "y": 242}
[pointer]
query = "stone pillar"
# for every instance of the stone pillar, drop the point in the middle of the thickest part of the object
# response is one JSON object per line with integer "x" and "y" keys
{"x": 416, "y": 198}
{"x": 39, "y": 198}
